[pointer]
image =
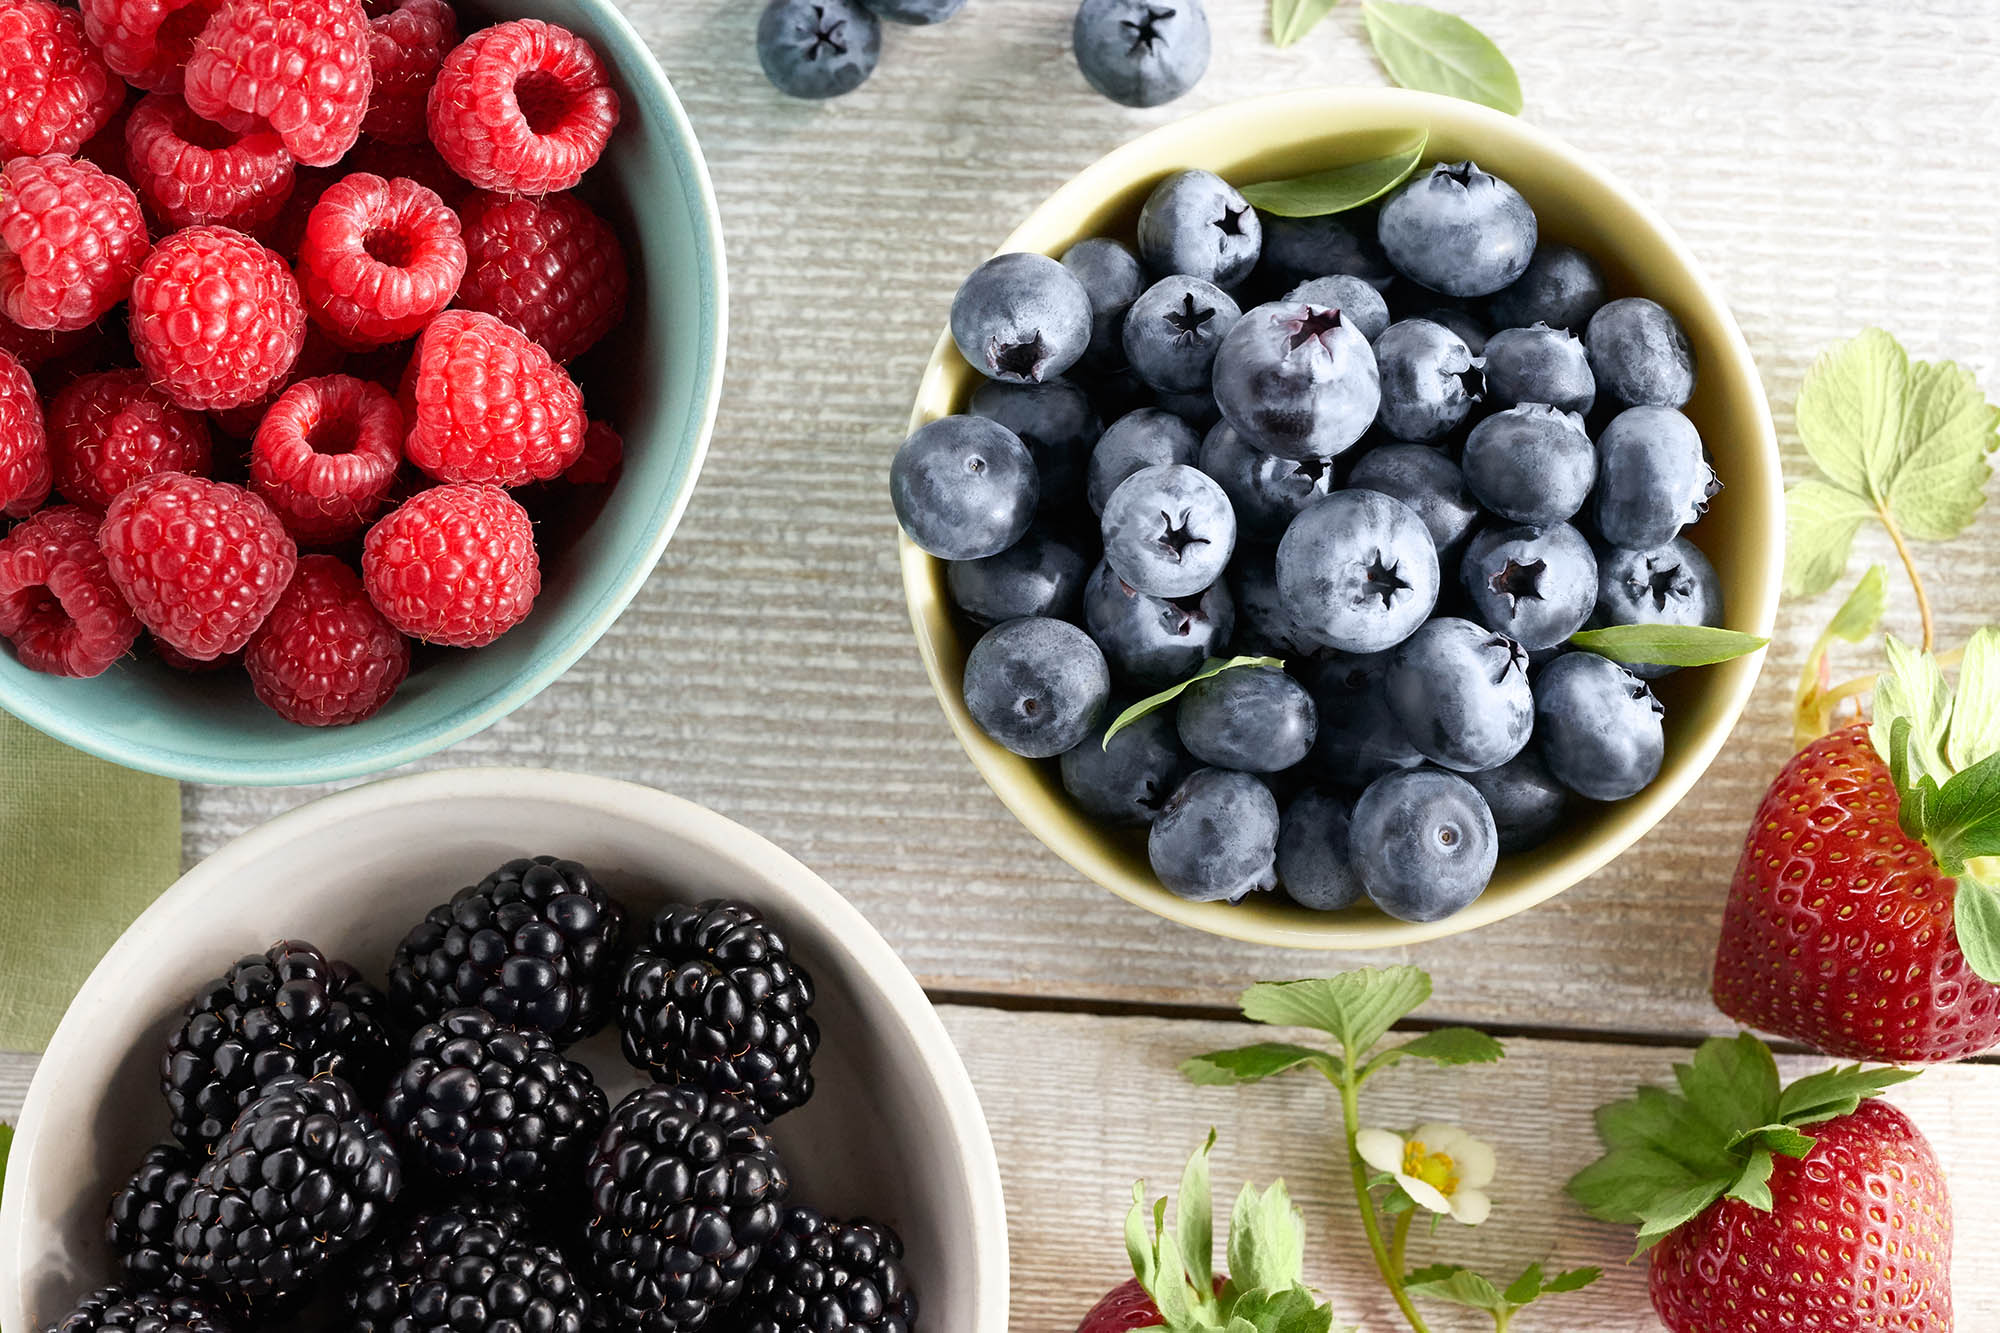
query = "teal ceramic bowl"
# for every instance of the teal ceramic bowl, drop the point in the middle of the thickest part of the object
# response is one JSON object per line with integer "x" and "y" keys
{"x": 659, "y": 384}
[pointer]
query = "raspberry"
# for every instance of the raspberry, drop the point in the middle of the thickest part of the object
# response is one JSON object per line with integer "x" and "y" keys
{"x": 485, "y": 404}
{"x": 380, "y": 258}
{"x": 200, "y": 562}
{"x": 180, "y": 661}
{"x": 71, "y": 237}
{"x": 326, "y": 455}
{"x": 216, "y": 318}
{"x": 602, "y": 458}
{"x": 297, "y": 67}
{"x": 111, "y": 429}
{"x": 454, "y": 565}
{"x": 406, "y": 48}
{"x": 319, "y": 356}
{"x": 284, "y": 232}
{"x": 550, "y": 267}
{"x": 35, "y": 348}
{"x": 326, "y": 657}
{"x": 192, "y": 172}
{"x": 106, "y": 148}
{"x": 412, "y": 161}
{"x": 25, "y": 476}
{"x": 56, "y": 92}
{"x": 147, "y": 41}
{"x": 57, "y": 602}
{"x": 524, "y": 107}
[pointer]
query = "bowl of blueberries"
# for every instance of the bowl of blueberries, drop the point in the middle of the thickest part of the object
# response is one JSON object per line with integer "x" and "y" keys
{"x": 1247, "y": 553}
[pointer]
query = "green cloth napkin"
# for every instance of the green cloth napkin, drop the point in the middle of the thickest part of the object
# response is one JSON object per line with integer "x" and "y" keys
{"x": 84, "y": 847}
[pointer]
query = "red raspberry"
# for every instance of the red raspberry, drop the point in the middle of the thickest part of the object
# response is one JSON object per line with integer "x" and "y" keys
{"x": 524, "y": 106}
{"x": 216, "y": 318}
{"x": 35, "y": 348}
{"x": 111, "y": 429}
{"x": 407, "y": 45}
{"x": 284, "y": 232}
{"x": 297, "y": 67}
{"x": 147, "y": 41}
{"x": 602, "y": 458}
{"x": 485, "y": 404}
{"x": 192, "y": 172}
{"x": 454, "y": 565}
{"x": 326, "y": 657}
{"x": 25, "y": 477}
{"x": 327, "y": 455}
{"x": 180, "y": 661}
{"x": 412, "y": 161}
{"x": 57, "y": 602}
{"x": 200, "y": 562}
{"x": 380, "y": 258}
{"x": 106, "y": 148}
{"x": 56, "y": 92}
{"x": 319, "y": 357}
{"x": 71, "y": 237}
{"x": 550, "y": 267}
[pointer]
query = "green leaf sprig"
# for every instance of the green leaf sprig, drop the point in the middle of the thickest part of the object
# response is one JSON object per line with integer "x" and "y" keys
{"x": 1421, "y": 48}
{"x": 1340, "y": 189}
{"x": 1462, "y": 1286}
{"x": 1668, "y": 645}
{"x": 1153, "y": 703}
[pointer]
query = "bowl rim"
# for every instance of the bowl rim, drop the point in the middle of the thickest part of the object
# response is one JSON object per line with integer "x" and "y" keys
{"x": 1736, "y": 680}
{"x": 648, "y": 807}
{"x": 656, "y": 93}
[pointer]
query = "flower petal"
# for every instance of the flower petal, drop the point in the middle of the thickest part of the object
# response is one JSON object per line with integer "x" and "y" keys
{"x": 1426, "y": 1195}
{"x": 1380, "y": 1149}
{"x": 1471, "y": 1206}
{"x": 1438, "y": 1137}
{"x": 1475, "y": 1161}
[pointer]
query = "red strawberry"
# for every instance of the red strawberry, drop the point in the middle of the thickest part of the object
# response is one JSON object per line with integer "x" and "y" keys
{"x": 1125, "y": 1307}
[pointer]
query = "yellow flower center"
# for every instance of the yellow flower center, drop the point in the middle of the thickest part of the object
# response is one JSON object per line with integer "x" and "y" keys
{"x": 1435, "y": 1169}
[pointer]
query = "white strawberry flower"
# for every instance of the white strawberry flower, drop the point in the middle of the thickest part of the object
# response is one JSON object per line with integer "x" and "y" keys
{"x": 1441, "y": 1167}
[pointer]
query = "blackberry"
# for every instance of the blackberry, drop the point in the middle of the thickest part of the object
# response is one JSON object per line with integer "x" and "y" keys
{"x": 712, "y": 999}
{"x": 114, "y": 1308}
{"x": 140, "y": 1226}
{"x": 288, "y": 1011}
{"x": 468, "y": 1269}
{"x": 822, "y": 1276}
{"x": 685, "y": 1189}
{"x": 536, "y": 944}
{"x": 485, "y": 1108}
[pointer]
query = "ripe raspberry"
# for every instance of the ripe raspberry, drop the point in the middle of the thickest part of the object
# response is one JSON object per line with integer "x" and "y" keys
{"x": 485, "y": 404}
{"x": 173, "y": 657}
{"x": 284, "y": 232}
{"x": 318, "y": 357}
{"x": 380, "y": 258}
{"x": 200, "y": 562}
{"x": 216, "y": 318}
{"x": 106, "y": 148}
{"x": 56, "y": 92}
{"x": 407, "y": 44}
{"x": 454, "y": 565}
{"x": 71, "y": 237}
{"x": 35, "y": 348}
{"x": 192, "y": 172}
{"x": 326, "y": 657}
{"x": 603, "y": 457}
{"x": 326, "y": 455}
{"x": 524, "y": 107}
{"x": 147, "y": 41}
{"x": 25, "y": 476}
{"x": 111, "y": 429}
{"x": 412, "y": 161}
{"x": 297, "y": 67}
{"x": 549, "y": 267}
{"x": 57, "y": 602}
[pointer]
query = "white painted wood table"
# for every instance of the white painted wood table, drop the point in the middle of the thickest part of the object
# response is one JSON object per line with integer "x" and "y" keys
{"x": 1833, "y": 162}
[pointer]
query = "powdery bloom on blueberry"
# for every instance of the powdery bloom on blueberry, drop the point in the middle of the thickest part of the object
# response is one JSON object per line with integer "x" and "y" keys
{"x": 1442, "y": 1168}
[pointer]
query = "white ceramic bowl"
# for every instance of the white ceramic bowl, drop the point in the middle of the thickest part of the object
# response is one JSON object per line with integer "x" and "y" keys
{"x": 894, "y": 1130}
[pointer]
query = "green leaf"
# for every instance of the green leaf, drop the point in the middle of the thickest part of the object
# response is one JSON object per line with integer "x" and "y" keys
{"x": 1820, "y": 522}
{"x": 1153, "y": 703}
{"x": 1338, "y": 190}
{"x": 1525, "y": 1288}
{"x": 1435, "y": 52}
{"x": 1781, "y": 1139}
{"x": 1861, "y": 614}
{"x": 1140, "y": 1246}
{"x": 1962, "y": 822}
{"x": 1355, "y": 1008}
{"x": 1267, "y": 1239}
{"x": 1460, "y": 1286}
{"x": 1293, "y": 19}
{"x": 1626, "y": 1183}
{"x": 1674, "y": 1211}
{"x": 1194, "y": 1219}
{"x": 1251, "y": 1064}
{"x": 1732, "y": 1082}
{"x": 1667, "y": 645}
{"x": 1291, "y": 1310}
{"x": 1975, "y": 706}
{"x": 1850, "y": 411}
{"x": 6, "y": 1145}
{"x": 1531, "y": 1286}
{"x": 1446, "y": 1046}
{"x": 1977, "y": 917}
{"x": 1576, "y": 1279}
{"x": 1948, "y": 430}
{"x": 1914, "y": 688}
{"x": 1753, "y": 1185}
{"x": 1836, "y": 1092}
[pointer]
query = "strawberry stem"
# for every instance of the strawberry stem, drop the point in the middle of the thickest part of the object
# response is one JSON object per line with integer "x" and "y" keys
{"x": 1910, "y": 568}
{"x": 1388, "y": 1262}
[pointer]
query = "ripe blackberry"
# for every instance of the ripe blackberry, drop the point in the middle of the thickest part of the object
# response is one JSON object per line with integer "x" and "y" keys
{"x": 467, "y": 1269}
{"x": 712, "y": 998}
{"x": 685, "y": 1191}
{"x": 288, "y": 1011}
{"x": 140, "y": 1226}
{"x": 537, "y": 944}
{"x": 115, "y": 1310}
{"x": 489, "y": 1109}
{"x": 826, "y": 1276}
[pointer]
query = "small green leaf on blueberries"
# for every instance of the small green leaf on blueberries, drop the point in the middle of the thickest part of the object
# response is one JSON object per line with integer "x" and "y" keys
{"x": 1340, "y": 189}
{"x": 1153, "y": 703}
{"x": 1460, "y": 1286}
{"x": 1435, "y": 52}
{"x": 1251, "y": 1064}
{"x": 1355, "y": 1008}
{"x": 1446, "y": 1046}
{"x": 1293, "y": 19}
{"x": 1668, "y": 645}
{"x": 1977, "y": 915}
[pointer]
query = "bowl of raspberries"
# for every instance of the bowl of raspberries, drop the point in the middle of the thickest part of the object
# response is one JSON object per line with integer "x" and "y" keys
{"x": 1257, "y": 553}
{"x": 357, "y": 360}
{"x": 510, "y": 1051}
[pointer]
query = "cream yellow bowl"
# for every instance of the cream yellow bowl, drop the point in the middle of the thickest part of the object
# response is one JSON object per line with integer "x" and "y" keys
{"x": 1576, "y": 201}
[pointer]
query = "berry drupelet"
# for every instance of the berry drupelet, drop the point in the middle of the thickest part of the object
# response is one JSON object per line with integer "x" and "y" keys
{"x": 830, "y": 1277}
{"x": 140, "y": 1225}
{"x": 115, "y": 1310}
{"x": 469, "y": 1267}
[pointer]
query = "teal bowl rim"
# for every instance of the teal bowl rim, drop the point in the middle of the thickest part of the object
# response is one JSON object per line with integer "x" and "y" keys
{"x": 658, "y": 99}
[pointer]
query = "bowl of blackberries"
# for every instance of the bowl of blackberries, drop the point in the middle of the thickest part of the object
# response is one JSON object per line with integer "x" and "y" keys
{"x": 502, "y": 1052}
{"x": 1270, "y": 562}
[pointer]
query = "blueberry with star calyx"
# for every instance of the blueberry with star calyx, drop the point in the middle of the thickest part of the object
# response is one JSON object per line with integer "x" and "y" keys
{"x": 818, "y": 48}
{"x": 1538, "y": 365}
{"x": 1599, "y": 727}
{"x": 1535, "y": 585}
{"x": 1669, "y": 585}
{"x": 1461, "y": 692}
{"x": 1358, "y": 571}
{"x": 1022, "y": 318}
{"x": 1196, "y": 224}
{"x": 1152, "y": 642}
{"x": 1297, "y": 380}
{"x": 1653, "y": 478}
{"x": 1458, "y": 230}
{"x": 1169, "y": 530}
{"x": 1356, "y": 298}
{"x": 1173, "y": 330}
{"x": 1266, "y": 491}
{"x": 1430, "y": 380}
{"x": 1141, "y": 52}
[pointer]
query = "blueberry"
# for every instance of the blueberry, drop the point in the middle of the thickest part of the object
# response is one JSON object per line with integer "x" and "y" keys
{"x": 1461, "y": 322}
{"x": 1036, "y": 576}
{"x": 1669, "y": 585}
{"x": 1599, "y": 727}
{"x": 1358, "y": 571}
{"x": 1198, "y": 409}
{"x": 1125, "y": 783}
{"x": 1425, "y": 479}
{"x": 818, "y": 48}
{"x": 1313, "y": 865}
{"x": 1022, "y": 318}
{"x": 1526, "y": 800}
{"x": 964, "y": 488}
{"x": 1152, "y": 642}
{"x": 1252, "y": 719}
{"x": 1057, "y": 423}
{"x": 1217, "y": 838}
{"x": 1264, "y": 626}
{"x": 1562, "y": 288}
{"x": 1111, "y": 275}
{"x": 1531, "y": 464}
{"x": 1536, "y": 585}
{"x": 1355, "y": 298}
{"x": 1430, "y": 380}
{"x": 1652, "y": 478}
{"x": 1297, "y": 380}
{"x": 1640, "y": 354}
{"x": 1266, "y": 491}
{"x": 1036, "y": 685}
{"x": 1141, "y": 52}
{"x": 1173, "y": 330}
{"x": 915, "y": 11}
{"x": 1539, "y": 364}
{"x": 1169, "y": 530}
{"x": 1148, "y": 437}
{"x": 1359, "y": 738}
{"x": 1195, "y": 224}
{"x": 1458, "y": 230}
{"x": 1461, "y": 692}
{"x": 1423, "y": 843}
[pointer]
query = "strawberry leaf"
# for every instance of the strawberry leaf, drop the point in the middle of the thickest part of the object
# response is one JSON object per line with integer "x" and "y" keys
{"x": 1977, "y": 916}
{"x": 1859, "y": 616}
{"x": 1194, "y": 1219}
{"x": 1267, "y": 1239}
{"x": 1833, "y": 1093}
{"x": 1975, "y": 705}
{"x": 1153, "y": 703}
{"x": 1782, "y": 1139}
{"x": 1356, "y": 1008}
{"x": 1460, "y": 1286}
{"x": 1253, "y": 1064}
{"x": 1445, "y": 1046}
{"x": 1675, "y": 1211}
{"x": 1753, "y": 1185}
{"x": 1732, "y": 1082}
{"x": 1913, "y": 688}
{"x": 1820, "y": 522}
{"x": 1576, "y": 1279}
{"x": 1962, "y": 822}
